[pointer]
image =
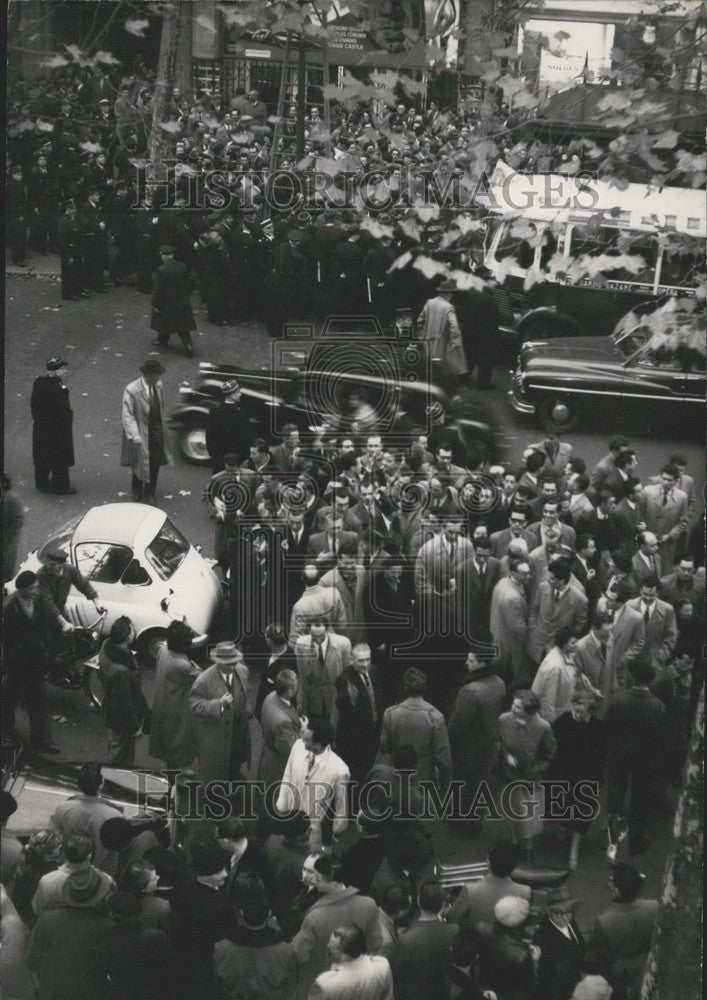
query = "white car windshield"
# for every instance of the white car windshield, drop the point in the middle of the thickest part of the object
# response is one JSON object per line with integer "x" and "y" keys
{"x": 167, "y": 551}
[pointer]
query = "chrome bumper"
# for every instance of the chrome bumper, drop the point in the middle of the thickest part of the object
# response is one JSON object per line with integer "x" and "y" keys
{"x": 518, "y": 404}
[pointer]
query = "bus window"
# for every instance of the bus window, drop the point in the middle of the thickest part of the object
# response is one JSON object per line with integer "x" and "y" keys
{"x": 595, "y": 241}
{"x": 682, "y": 267}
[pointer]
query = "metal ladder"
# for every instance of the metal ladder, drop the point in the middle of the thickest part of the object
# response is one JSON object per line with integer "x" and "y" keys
{"x": 284, "y": 145}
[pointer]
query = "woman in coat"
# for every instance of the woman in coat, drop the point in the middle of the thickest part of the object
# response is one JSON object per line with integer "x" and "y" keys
{"x": 173, "y": 735}
{"x": 525, "y": 748}
{"x": 580, "y": 758}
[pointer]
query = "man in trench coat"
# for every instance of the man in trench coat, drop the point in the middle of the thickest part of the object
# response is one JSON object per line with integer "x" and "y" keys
{"x": 52, "y": 434}
{"x": 145, "y": 444}
{"x": 218, "y": 701}
{"x": 171, "y": 308}
{"x": 173, "y": 732}
{"x": 438, "y": 326}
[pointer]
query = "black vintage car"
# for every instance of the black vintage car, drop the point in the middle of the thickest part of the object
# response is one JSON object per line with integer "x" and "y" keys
{"x": 654, "y": 361}
{"x": 313, "y": 382}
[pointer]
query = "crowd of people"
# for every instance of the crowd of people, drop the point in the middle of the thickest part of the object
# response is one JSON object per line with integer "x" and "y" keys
{"x": 423, "y": 619}
{"x": 97, "y": 905}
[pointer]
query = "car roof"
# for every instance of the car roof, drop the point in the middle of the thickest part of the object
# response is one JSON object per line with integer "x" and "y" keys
{"x": 119, "y": 523}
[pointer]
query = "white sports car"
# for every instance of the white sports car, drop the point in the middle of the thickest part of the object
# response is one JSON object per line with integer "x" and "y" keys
{"x": 141, "y": 566}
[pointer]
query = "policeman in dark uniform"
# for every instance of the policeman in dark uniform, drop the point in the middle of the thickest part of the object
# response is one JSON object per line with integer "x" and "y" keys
{"x": 123, "y": 226}
{"x": 377, "y": 261}
{"x": 289, "y": 285}
{"x": 94, "y": 233}
{"x": 52, "y": 434}
{"x": 16, "y": 195}
{"x": 229, "y": 427}
{"x": 171, "y": 307}
{"x": 147, "y": 256}
{"x": 326, "y": 237}
{"x": 351, "y": 279}
{"x": 69, "y": 242}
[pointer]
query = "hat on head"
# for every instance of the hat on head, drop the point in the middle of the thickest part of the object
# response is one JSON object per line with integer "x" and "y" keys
{"x": 104, "y": 100}
{"x": 86, "y": 887}
{"x": 592, "y": 988}
{"x": 511, "y": 911}
{"x": 448, "y": 286}
{"x": 25, "y": 580}
{"x": 223, "y": 654}
{"x": 152, "y": 367}
{"x": 56, "y": 364}
{"x": 56, "y": 555}
{"x": 304, "y": 218}
{"x": 165, "y": 248}
{"x": 92, "y": 190}
{"x": 232, "y": 386}
{"x": 560, "y": 898}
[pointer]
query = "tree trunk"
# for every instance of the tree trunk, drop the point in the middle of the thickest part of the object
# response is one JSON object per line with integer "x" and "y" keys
{"x": 673, "y": 969}
{"x": 162, "y": 140}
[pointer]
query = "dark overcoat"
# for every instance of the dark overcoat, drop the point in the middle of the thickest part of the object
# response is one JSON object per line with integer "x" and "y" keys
{"x": 52, "y": 434}
{"x": 171, "y": 307}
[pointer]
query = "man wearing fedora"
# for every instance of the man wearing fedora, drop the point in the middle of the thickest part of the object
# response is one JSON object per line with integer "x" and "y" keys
{"x": 67, "y": 947}
{"x": 218, "y": 701}
{"x": 171, "y": 307}
{"x": 145, "y": 444}
{"x": 438, "y": 326}
{"x": 229, "y": 427}
{"x": 561, "y": 947}
{"x": 52, "y": 430}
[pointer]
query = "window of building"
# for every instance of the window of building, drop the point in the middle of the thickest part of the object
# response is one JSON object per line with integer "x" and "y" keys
{"x": 206, "y": 76}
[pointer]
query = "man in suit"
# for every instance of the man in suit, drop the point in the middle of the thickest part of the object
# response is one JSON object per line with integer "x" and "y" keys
{"x": 659, "y": 621}
{"x": 52, "y": 434}
{"x": 336, "y": 905}
{"x": 145, "y": 443}
{"x": 476, "y": 573}
{"x": 499, "y": 516}
{"x": 517, "y": 528}
{"x": 591, "y": 655}
{"x": 533, "y": 463}
{"x": 281, "y": 726}
{"x": 622, "y": 934}
{"x": 218, "y": 701}
{"x": 666, "y": 514}
{"x": 606, "y": 465}
{"x": 423, "y": 956}
{"x": 618, "y": 480}
{"x": 550, "y": 522}
{"x": 628, "y": 518}
{"x": 600, "y": 522}
{"x": 614, "y": 569}
{"x": 548, "y": 489}
{"x": 389, "y": 616}
{"x": 353, "y": 973}
{"x": 360, "y": 708}
{"x": 322, "y": 656}
{"x": 635, "y": 733}
{"x": 329, "y": 541}
{"x": 687, "y": 582}
{"x": 349, "y": 579}
{"x": 557, "y": 605}
{"x": 509, "y": 622}
{"x": 628, "y": 639}
{"x": 340, "y": 506}
{"x": 415, "y": 723}
{"x": 557, "y": 453}
{"x": 286, "y": 456}
{"x": 246, "y": 856}
{"x": 171, "y": 308}
{"x": 585, "y": 566}
{"x": 646, "y": 561}
{"x": 579, "y": 501}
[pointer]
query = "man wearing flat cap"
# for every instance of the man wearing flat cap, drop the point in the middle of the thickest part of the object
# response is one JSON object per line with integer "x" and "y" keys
{"x": 56, "y": 578}
{"x": 52, "y": 433}
{"x": 218, "y": 702}
{"x": 171, "y": 307}
{"x": 145, "y": 444}
{"x": 26, "y": 639}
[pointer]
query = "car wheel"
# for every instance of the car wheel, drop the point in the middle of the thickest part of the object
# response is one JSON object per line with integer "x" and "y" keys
{"x": 558, "y": 414}
{"x": 147, "y": 646}
{"x": 93, "y": 688}
{"x": 192, "y": 444}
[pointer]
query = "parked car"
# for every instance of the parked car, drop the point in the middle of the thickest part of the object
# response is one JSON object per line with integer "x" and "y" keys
{"x": 39, "y": 786}
{"x": 141, "y": 566}
{"x": 655, "y": 361}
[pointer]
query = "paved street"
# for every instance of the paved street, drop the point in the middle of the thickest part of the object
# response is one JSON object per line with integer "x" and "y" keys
{"x": 105, "y": 339}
